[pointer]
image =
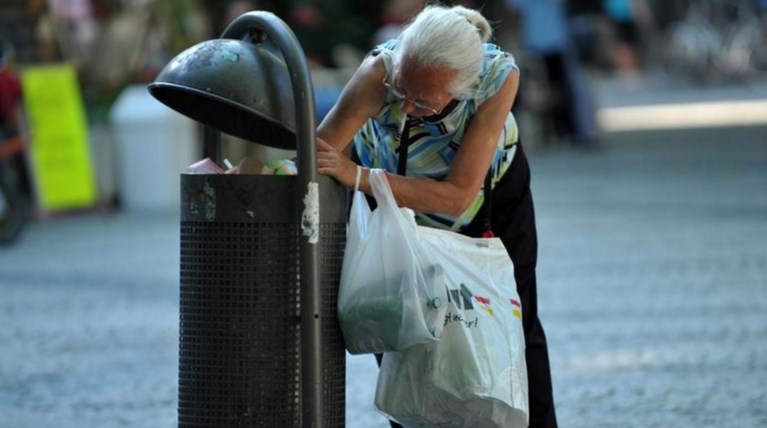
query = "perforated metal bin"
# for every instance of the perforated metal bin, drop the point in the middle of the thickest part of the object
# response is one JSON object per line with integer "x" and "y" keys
{"x": 260, "y": 266}
{"x": 240, "y": 338}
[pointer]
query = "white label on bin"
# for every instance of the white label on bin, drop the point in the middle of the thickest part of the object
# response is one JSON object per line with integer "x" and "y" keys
{"x": 210, "y": 201}
{"x": 310, "y": 220}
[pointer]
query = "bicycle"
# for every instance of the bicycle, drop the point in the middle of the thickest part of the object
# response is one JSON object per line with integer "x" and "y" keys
{"x": 14, "y": 197}
{"x": 717, "y": 40}
{"x": 15, "y": 194}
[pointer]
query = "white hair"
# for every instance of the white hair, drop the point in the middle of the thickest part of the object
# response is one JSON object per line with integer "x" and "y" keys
{"x": 449, "y": 37}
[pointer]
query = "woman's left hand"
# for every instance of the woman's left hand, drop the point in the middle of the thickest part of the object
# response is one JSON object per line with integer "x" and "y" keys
{"x": 334, "y": 164}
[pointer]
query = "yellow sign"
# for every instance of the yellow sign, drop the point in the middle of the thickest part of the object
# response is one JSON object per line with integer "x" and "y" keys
{"x": 60, "y": 152}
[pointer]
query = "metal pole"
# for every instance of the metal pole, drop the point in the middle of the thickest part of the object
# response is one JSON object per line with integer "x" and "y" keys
{"x": 303, "y": 93}
{"x": 211, "y": 144}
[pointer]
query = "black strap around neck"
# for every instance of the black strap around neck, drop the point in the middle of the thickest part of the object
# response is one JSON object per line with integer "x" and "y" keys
{"x": 404, "y": 145}
{"x": 488, "y": 191}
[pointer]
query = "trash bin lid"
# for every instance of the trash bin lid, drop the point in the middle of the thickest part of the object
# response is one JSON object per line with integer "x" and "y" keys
{"x": 238, "y": 87}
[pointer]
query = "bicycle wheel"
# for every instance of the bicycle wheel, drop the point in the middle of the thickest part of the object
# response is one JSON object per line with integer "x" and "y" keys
{"x": 14, "y": 204}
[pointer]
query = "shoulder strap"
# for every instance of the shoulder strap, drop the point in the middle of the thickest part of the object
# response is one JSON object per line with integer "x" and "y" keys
{"x": 404, "y": 145}
{"x": 488, "y": 191}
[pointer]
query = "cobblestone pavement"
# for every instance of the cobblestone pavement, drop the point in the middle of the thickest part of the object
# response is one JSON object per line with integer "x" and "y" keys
{"x": 652, "y": 283}
{"x": 653, "y": 280}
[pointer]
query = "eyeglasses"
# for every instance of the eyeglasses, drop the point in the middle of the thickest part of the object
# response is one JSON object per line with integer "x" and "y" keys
{"x": 402, "y": 97}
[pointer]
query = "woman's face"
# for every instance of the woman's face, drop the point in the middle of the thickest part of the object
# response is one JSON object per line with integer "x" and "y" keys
{"x": 421, "y": 91}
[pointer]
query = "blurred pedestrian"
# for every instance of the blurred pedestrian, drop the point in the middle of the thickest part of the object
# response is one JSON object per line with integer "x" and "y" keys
{"x": 10, "y": 94}
{"x": 433, "y": 108}
{"x": 589, "y": 27}
{"x": 630, "y": 20}
{"x": 545, "y": 34}
{"x": 761, "y": 9}
{"x": 397, "y": 13}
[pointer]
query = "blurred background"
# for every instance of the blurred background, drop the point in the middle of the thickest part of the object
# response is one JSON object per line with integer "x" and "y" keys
{"x": 646, "y": 124}
{"x": 570, "y": 52}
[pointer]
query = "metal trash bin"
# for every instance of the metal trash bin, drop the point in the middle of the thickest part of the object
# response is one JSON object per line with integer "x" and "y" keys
{"x": 260, "y": 344}
{"x": 240, "y": 339}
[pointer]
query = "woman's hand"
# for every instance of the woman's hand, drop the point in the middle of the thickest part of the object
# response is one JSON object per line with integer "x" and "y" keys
{"x": 334, "y": 164}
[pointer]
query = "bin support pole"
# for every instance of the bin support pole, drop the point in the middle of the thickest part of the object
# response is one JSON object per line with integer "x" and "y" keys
{"x": 303, "y": 94}
{"x": 211, "y": 144}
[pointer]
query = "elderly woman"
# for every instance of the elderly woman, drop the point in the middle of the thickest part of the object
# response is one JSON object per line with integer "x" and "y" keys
{"x": 433, "y": 108}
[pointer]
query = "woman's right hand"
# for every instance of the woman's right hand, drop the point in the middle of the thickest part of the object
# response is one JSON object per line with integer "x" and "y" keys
{"x": 332, "y": 163}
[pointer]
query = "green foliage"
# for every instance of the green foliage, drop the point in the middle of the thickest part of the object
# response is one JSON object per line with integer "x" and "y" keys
{"x": 321, "y": 25}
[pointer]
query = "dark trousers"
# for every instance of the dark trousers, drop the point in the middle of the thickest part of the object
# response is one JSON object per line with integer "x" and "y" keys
{"x": 563, "y": 111}
{"x": 513, "y": 220}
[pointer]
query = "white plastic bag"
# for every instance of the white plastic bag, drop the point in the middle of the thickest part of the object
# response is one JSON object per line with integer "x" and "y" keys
{"x": 392, "y": 295}
{"x": 476, "y": 375}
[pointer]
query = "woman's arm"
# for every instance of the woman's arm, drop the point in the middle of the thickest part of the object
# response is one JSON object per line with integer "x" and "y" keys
{"x": 360, "y": 100}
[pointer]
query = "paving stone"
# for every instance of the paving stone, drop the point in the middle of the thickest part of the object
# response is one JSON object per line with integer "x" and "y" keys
{"x": 652, "y": 288}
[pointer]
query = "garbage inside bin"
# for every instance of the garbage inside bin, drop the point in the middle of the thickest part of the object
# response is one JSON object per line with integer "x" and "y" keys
{"x": 247, "y": 166}
{"x": 205, "y": 166}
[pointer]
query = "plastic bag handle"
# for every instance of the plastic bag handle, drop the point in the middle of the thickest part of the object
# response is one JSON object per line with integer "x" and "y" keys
{"x": 379, "y": 184}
